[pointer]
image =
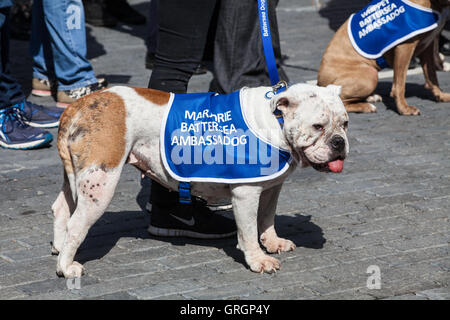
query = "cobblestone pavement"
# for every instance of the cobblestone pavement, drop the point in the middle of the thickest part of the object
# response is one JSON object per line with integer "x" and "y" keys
{"x": 389, "y": 208}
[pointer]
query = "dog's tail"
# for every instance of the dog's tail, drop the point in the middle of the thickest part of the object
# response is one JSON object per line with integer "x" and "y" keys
{"x": 65, "y": 154}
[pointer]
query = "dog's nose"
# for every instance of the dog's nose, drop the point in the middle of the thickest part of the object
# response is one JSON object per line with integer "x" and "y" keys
{"x": 337, "y": 143}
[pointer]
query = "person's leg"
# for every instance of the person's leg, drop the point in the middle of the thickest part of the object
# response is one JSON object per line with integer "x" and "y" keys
{"x": 41, "y": 52}
{"x": 238, "y": 52}
{"x": 64, "y": 21}
{"x": 11, "y": 95}
{"x": 183, "y": 29}
{"x": 10, "y": 89}
{"x": 14, "y": 132}
{"x": 152, "y": 36}
{"x": 152, "y": 33}
{"x": 65, "y": 25}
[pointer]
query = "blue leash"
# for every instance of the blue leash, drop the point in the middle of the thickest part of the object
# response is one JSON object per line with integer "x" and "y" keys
{"x": 267, "y": 41}
{"x": 278, "y": 86}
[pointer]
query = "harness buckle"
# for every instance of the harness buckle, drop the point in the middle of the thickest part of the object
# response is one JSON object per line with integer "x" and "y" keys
{"x": 184, "y": 191}
{"x": 281, "y": 85}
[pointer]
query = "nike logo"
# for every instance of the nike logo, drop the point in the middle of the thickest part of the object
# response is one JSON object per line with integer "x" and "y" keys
{"x": 189, "y": 222}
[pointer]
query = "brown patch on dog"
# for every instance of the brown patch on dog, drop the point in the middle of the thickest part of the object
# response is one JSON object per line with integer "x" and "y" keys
{"x": 92, "y": 132}
{"x": 156, "y": 96}
{"x": 79, "y": 131}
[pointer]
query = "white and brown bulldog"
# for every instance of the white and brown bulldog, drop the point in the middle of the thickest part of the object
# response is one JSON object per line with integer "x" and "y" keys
{"x": 100, "y": 133}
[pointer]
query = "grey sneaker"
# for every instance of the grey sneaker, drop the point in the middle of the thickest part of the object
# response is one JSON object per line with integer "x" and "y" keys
{"x": 66, "y": 97}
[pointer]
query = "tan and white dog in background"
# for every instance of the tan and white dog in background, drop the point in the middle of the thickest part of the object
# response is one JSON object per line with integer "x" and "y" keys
{"x": 100, "y": 133}
{"x": 342, "y": 65}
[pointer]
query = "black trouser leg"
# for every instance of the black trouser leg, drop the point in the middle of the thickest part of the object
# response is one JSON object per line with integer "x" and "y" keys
{"x": 10, "y": 89}
{"x": 238, "y": 52}
{"x": 182, "y": 35}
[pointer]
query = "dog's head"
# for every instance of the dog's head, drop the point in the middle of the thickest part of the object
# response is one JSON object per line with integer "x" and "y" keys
{"x": 315, "y": 125}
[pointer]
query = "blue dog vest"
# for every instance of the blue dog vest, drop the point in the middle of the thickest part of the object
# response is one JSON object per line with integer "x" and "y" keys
{"x": 205, "y": 137}
{"x": 383, "y": 24}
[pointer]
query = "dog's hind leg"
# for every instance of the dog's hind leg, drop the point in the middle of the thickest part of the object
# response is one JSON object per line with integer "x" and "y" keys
{"x": 266, "y": 216}
{"x": 358, "y": 84}
{"x": 62, "y": 208}
{"x": 95, "y": 188}
{"x": 429, "y": 71}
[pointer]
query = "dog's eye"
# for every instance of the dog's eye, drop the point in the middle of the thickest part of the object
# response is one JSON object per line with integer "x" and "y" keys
{"x": 345, "y": 124}
{"x": 318, "y": 126}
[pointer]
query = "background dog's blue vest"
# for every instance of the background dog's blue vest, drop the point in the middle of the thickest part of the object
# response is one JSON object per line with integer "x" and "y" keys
{"x": 383, "y": 24}
{"x": 204, "y": 137}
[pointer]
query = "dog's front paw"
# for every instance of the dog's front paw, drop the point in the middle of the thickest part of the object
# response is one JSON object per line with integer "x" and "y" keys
{"x": 443, "y": 97}
{"x": 409, "y": 111}
{"x": 374, "y": 98}
{"x": 75, "y": 270}
{"x": 264, "y": 263}
{"x": 277, "y": 245}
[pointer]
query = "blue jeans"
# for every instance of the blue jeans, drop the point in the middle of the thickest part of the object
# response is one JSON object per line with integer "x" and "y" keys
{"x": 58, "y": 44}
{"x": 10, "y": 90}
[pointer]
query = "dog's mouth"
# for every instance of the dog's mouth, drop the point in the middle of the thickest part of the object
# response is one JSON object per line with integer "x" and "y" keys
{"x": 335, "y": 166}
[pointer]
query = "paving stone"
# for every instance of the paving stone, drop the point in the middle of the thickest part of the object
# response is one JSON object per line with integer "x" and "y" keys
{"x": 167, "y": 288}
{"x": 435, "y": 294}
{"x": 11, "y": 293}
{"x": 116, "y": 296}
{"x": 409, "y": 296}
{"x": 291, "y": 292}
{"x": 229, "y": 292}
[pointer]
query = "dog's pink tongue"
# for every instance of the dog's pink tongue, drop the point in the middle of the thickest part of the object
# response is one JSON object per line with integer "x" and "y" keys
{"x": 336, "y": 166}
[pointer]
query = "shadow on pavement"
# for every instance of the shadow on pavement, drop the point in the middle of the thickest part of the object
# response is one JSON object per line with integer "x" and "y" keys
{"x": 411, "y": 90}
{"x": 105, "y": 234}
{"x": 94, "y": 48}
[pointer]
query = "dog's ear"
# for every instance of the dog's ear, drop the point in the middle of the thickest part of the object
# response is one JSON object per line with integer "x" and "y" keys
{"x": 335, "y": 89}
{"x": 286, "y": 102}
{"x": 281, "y": 102}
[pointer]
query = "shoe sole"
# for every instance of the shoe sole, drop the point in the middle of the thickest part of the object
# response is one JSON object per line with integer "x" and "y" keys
{"x": 162, "y": 232}
{"x": 62, "y": 104}
{"x": 220, "y": 207}
{"x": 41, "y": 93}
{"x": 215, "y": 208}
{"x": 43, "y": 125}
{"x": 28, "y": 145}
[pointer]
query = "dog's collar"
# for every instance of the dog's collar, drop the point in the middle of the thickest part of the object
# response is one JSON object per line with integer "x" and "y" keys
{"x": 276, "y": 89}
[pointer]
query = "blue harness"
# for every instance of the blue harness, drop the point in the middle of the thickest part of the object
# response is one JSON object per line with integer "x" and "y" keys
{"x": 205, "y": 137}
{"x": 383, "y": 24}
